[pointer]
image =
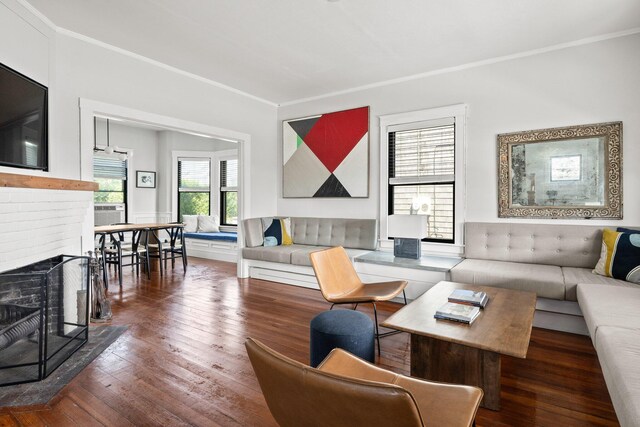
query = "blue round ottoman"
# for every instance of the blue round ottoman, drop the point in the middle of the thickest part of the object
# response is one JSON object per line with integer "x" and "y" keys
{"x": 349, "y": 330}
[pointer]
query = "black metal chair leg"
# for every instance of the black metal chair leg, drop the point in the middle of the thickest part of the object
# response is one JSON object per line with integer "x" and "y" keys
{"x": 120, "y": 267}
{"x": 375, "y": 315}
{"x": 405, "y": 297}
{"x": 148, "y": 265}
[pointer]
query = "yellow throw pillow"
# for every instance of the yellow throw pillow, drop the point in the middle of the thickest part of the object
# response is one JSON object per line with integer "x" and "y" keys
{"x": 620, "y": 256}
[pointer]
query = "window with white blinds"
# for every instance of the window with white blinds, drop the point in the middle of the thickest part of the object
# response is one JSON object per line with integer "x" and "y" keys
{"x": 229, "y": 192}
{"x": 194, "y": 174}
{"x": 111, "y": 176}
{"x": 422, "y": 174}
{"x": 108, "y": 167}
{"x": 194, "y": 186}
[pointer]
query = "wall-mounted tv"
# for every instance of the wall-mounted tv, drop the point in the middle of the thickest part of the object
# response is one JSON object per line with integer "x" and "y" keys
{"x": 23, "y": 121}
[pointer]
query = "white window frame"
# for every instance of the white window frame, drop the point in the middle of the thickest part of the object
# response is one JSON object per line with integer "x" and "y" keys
{"x": 214, "y": 189}
{"x": 218, "y": 157}
{"x": 387, "y": 122}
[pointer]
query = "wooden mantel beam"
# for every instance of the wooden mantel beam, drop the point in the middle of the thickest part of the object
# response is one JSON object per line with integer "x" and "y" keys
{"x": 46, "y": 183}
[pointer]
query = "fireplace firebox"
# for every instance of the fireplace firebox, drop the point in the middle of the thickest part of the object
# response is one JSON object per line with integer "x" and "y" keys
{"x": 44, "y": 313}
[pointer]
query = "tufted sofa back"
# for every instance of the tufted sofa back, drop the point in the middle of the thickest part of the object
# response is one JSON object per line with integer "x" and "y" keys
{"x": 562, "y": 245}
{"x": 350, "y": 233}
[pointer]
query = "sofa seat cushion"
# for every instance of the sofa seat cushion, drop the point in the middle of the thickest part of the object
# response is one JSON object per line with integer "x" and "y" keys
{"x": 270, "y": 253}
{"x": 574, "y": 275}
{"x": 301, "y": 257}
{"x": 619, "y": 351}
{"x": 545, "y": 280}
{"x": 604, "y": 305}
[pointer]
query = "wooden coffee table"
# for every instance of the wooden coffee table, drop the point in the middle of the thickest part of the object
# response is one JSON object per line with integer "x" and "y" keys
{"x": 442, "y": 350}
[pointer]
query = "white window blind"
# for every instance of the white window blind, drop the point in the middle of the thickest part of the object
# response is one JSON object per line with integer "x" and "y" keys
{"x": 194, "y": 174}
{"x": 229, "y": 175}
{"x": 108, "y": 167}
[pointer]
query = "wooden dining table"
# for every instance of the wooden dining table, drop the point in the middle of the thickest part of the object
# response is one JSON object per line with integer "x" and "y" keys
{"x": 123, "y": 228}
{"x": 114, "y": 230}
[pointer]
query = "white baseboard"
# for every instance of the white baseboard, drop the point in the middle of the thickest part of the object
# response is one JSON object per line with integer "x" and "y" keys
{"x": 560, "y": 322}
{"x": 212, "y": 249}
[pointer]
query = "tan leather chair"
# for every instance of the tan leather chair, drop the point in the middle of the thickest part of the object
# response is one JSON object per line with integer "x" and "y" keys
{"x": 347, "y": 391}
{"x": 340, "y": 284}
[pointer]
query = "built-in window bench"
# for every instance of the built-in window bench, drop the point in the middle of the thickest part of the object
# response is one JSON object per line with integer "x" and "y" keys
{"x": 422, "y": 274}
{"x": 221, "y": 245}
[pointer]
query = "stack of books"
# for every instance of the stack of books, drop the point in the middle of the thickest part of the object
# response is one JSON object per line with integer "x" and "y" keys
{"x": 464, "y": 296}
{"x": 463, "y": 306}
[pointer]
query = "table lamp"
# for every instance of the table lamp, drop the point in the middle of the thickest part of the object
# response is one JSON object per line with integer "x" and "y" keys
{"x": 407, "y": 231}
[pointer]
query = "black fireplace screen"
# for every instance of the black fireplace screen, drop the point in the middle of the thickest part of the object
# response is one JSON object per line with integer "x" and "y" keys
{"x": 44, "y": 312}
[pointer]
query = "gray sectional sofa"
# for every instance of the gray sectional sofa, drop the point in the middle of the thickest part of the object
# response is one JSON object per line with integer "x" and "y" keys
{"x": 357, "y": 236}
{"x": 613, "y": 319}
{"x": 556, "y": 261}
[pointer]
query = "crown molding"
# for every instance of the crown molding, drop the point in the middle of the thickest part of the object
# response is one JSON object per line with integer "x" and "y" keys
{"x": 476, "y": 64}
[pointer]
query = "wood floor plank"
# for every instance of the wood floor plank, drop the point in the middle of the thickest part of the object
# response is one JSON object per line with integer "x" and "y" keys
{"x": 182, "y": 360}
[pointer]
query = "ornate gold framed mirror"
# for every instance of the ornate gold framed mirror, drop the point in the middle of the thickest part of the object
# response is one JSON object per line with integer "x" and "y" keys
{"x": 570, "y": 172}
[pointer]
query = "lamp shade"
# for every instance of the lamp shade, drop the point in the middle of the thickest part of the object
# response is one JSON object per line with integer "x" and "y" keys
{"x": 408, "y": 226}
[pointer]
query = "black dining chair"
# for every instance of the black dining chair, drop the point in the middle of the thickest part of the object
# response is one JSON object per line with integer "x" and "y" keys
{"x": 175, "y": 246}
{"x": 120, "y": 250}
{"x": 153, "y": 249}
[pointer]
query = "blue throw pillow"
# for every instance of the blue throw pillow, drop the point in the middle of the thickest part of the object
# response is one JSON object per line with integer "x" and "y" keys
{"x": 627, "y": 230}
{"x": 270, "y": 241}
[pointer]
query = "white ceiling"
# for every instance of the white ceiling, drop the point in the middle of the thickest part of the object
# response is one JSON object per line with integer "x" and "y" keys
{"x": 284, "y": 50}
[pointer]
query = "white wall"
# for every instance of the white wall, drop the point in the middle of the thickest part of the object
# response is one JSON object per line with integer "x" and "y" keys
{"x": 152, "y": 151}
{"x": 580, "y": 85}
{"x": 75, "y": 69}
{"x": 142, "y": 202}
{"x": 96, "y": 73}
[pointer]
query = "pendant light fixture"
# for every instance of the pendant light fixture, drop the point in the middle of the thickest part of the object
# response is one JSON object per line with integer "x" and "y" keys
{"x": 109, "y": 150}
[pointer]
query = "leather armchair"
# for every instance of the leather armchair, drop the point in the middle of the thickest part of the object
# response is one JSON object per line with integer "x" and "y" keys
{"x": 347, "y": 391}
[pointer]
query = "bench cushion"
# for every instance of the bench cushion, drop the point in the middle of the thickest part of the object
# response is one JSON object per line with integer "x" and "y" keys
{"x": 603, "y": 305}
{"x": 545, "y": 280}
{"x": 619, "y": 352}
{"x": 219, "y": 235}
{"x": 574, "y": 275}
{"x": 301, "y": 257}
{"x": 270, "y": 253}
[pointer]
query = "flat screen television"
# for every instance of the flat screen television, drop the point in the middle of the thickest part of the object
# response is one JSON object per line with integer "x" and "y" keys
{"x": 23, "y": 121}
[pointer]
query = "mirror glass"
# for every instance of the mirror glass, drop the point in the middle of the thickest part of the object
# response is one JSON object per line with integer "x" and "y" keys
{"x": 559, "y": 173}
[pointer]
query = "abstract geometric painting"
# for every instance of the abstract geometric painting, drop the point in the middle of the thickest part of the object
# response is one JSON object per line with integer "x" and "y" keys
{"x": 327, "y": 155}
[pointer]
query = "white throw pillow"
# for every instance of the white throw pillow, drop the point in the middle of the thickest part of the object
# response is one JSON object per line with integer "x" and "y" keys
{"x": 208, "y": 224}
{"x": 190, "y": 223}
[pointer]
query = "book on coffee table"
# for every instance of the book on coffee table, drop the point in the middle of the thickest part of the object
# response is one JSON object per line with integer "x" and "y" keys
{"x": 457, "y": 312}
{"x": 465, "y": 296}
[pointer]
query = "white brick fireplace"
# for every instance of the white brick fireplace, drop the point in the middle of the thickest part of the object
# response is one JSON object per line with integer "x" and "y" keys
{"x": 36, "y": 224}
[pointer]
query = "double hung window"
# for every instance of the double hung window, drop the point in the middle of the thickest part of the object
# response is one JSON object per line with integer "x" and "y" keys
{"x": 422, "y": 173}
{"x": 194, "y": 186}
{"x": 229, "y": 192}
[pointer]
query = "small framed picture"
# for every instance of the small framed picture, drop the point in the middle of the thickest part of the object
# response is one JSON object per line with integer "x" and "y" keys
{"x": 145, "y": 179}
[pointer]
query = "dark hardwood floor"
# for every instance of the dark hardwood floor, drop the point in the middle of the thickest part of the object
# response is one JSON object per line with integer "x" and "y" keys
{"x": 182, "y": 361}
